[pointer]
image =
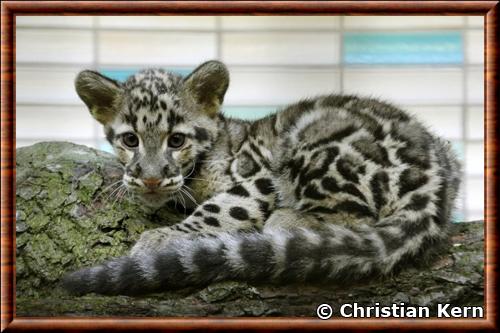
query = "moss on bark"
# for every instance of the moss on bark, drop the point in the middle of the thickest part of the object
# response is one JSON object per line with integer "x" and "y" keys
{"x": 69, "y": 213}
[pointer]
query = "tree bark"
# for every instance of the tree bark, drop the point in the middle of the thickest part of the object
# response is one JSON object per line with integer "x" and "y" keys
{"x": 69, "y": 215}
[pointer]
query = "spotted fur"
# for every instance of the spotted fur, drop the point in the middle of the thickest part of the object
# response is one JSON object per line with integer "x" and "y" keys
{"x": 330, "y": 189}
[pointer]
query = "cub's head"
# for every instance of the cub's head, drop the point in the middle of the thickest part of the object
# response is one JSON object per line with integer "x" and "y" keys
{"x": 160, "y": 124}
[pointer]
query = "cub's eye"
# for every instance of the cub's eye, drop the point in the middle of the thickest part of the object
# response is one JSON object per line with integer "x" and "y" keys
{"x": 130, "y": 140}
{"x": 176, "y": 140}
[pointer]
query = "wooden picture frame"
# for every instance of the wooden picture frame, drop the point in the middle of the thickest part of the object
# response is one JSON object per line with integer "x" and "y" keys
{"x": 10, "y": 9}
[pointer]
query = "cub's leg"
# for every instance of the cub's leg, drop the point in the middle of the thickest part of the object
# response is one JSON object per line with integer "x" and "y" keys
{"x": 291, "y": 219}
{"x": 244, "y": 207}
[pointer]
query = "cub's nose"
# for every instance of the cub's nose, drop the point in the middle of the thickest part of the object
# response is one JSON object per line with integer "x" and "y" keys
{"x": 152, "y": 183}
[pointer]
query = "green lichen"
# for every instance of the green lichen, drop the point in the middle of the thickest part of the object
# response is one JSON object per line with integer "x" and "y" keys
{"x": 88, "y": 186}
{"x": 65, "y": 218}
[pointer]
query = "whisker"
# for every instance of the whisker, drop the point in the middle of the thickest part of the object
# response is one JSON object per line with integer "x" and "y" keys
{"x": 127, "y": 191}
{"x": 183, "y": 203}
{"x": 175, "y": 202}
{"x": 112, "y": 193}
{"x": 189, "y": 195}
{"x": 118, "y": 195}
{"x": 217, "y": 159}
{"x": 206, "y": 180}
{"x": 192, "y": 170}
{"x": 183, "y": 193}
{"x": 106, "y": 189}
{"x": 121, "y": 195}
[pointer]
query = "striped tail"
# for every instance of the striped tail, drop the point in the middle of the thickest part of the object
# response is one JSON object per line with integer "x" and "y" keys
{"x": 335, "y": 254}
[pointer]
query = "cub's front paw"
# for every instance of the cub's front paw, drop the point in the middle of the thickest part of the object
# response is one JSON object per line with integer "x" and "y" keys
{"x": 151, "y": 240}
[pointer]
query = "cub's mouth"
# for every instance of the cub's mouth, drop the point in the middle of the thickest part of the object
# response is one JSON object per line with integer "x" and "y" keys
{"x": 155, "y": 198}
{"x": 153, "y": 188}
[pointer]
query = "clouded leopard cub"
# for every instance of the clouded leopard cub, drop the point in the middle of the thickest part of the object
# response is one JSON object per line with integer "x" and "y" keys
{"x": 331, "y": 189}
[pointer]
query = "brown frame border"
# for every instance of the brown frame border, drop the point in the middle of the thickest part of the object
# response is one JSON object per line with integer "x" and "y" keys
{"x": 9, "y": 9}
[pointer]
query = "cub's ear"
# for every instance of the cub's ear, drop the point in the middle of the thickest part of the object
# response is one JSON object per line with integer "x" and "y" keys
{"x": 102, "y": 95}
{"x": 208, "y": 84}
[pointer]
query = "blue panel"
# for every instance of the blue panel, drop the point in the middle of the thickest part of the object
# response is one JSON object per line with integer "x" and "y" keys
{"x": 457, "y": 216}
{"x": 123, "y": 74}
{"x": 105, "y": 146}
{"x": 458, "y": 148}
{"x": 403, "y": 48}
{"x": 248, "y": 112}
